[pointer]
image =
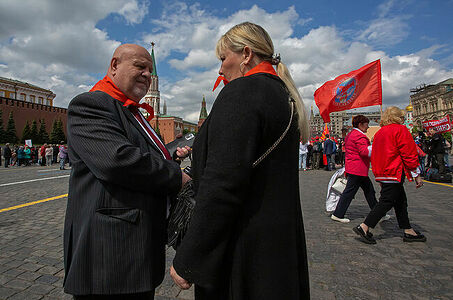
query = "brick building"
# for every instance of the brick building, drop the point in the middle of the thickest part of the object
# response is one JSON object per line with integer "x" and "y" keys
{"x": 170, "y": 126}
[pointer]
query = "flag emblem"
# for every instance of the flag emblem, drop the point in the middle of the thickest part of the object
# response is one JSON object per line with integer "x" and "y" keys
{"x": 344, "y": 92}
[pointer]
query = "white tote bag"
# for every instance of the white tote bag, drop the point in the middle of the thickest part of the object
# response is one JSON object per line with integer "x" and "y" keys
{"x": 339, "y": 185}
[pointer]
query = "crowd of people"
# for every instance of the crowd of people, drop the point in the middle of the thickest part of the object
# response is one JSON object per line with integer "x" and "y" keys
{"x": 329, "y": 153}
{"x": 434, "y": 150}
{"x": 321, "y": 153}
{"x": 24, "y": 155}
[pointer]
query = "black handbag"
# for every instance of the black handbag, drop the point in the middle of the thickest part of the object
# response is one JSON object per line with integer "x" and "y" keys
{"x": 180, "y": 213}
{"x": 181, "y": 210}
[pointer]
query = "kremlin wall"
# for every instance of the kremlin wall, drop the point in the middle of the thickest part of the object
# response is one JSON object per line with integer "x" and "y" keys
{"x": 28, "y": 102}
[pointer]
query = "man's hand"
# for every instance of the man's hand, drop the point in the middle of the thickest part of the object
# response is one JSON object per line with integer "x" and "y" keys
{"x": 418, "y": 181}
{"x": 181, "y": 282}
{"x": 183, "y": 152}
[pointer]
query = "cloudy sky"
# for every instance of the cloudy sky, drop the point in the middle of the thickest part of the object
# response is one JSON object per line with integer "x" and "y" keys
{"x": 65, "y": 46}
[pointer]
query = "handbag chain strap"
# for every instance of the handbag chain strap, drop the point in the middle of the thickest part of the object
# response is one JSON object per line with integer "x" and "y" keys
{"x": 279, "y": 139}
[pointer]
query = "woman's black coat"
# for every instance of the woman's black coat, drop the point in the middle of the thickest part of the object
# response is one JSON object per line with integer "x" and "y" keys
{"x": 246, "y": 238}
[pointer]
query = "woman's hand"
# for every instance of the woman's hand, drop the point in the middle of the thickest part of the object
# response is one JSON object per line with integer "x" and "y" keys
{"x": 181, "y": 282}
{"x": 418, "y": 181}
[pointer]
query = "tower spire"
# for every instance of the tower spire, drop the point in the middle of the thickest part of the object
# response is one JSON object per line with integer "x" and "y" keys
{"x": 203, "y": 112}
{"x": 153, "y": 95}
{"x": 154, "y": 60}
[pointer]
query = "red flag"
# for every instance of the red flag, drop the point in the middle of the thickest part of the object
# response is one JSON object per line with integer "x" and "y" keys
{"x": 324, "y": 132}
{"x": 358, "y": 88}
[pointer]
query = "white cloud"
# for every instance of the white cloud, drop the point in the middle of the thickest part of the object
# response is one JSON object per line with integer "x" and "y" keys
{"x": 385, "y": 32}
{"x": 192, "y": 32}
{"x": 385, "y": 8}
{"x": 320, "y": 55}
{"x": 134, "y": 12}
{"x": 55, "y": 44}
{"x": 66, "y": 52}
{"x": 389, "y": 28}
{"x": 195, "y": 58}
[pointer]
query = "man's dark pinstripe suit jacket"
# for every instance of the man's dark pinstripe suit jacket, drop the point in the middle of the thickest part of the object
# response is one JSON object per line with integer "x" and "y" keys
{"x": 115, "y": 226}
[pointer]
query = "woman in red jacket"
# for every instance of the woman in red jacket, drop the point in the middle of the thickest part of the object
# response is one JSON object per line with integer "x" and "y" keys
{"x": 357, "y": 163}
{"x": 394, "y": 156}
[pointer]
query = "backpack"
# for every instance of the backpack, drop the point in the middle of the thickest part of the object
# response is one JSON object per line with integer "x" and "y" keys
{"x": 430, "y": 172}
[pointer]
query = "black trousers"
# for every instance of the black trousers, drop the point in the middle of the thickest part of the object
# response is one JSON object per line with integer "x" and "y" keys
{"x": 316, "y": 159}
{"x": 137, "y": 296}
{"x": 342, "y": 157}
{"x": 392, "y": 195}
{"x": 440, "y": 162}
{"x": 352, "y": 186}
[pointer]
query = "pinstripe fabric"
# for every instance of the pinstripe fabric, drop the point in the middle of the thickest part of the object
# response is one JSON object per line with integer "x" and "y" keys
{"x": 115, "y": 227}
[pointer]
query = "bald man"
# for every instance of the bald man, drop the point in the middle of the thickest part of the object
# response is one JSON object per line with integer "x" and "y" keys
{"x": 121, "y": 180}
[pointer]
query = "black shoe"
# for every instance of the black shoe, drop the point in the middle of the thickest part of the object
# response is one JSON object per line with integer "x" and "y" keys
{"x": 414, "y": 238}
{"x": 367, "y": 238}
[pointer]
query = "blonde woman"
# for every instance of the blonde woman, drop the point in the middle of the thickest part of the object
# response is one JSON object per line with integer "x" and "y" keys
{"x": 246, "y": 237}
{"x": 393, "y": 157}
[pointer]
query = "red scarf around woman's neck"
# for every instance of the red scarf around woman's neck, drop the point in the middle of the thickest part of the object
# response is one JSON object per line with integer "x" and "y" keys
{"x": 262, "y": 67}
{"x": 107, "y": 86}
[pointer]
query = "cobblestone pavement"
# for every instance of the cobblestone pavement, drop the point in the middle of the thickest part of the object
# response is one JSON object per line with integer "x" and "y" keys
{"x": 341, "y": 267}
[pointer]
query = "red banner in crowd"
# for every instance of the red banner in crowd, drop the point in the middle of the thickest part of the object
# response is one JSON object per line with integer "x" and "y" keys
{"x": 324, "y": 133}
{"x": 442, "y": 125}
{"x": 358, "y": 88}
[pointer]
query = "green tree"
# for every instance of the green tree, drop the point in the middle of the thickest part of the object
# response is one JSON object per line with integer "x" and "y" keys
{"x": 26, "y": 133}
{"x": 34, "y": 133}
{"x": 57, "y": 134}
{"x": 2, "y": 129}
{"x": 60, "y": 131}
{"x": 43, "y": 135}
{"x": 448, "y": 136}
{"x": 53, "y": 133}
{"x": 10, "y": 134}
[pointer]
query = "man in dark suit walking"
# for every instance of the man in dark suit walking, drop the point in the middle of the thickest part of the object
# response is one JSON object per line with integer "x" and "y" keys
{"x": 329, "y": 149}
{"x": 7, "y": 155}
{"x": 121, "y": 180}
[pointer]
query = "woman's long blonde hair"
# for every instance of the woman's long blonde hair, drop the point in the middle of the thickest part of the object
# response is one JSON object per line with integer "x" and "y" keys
{"x": 392, "y": 115}
{"x": 259, "y": 41}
